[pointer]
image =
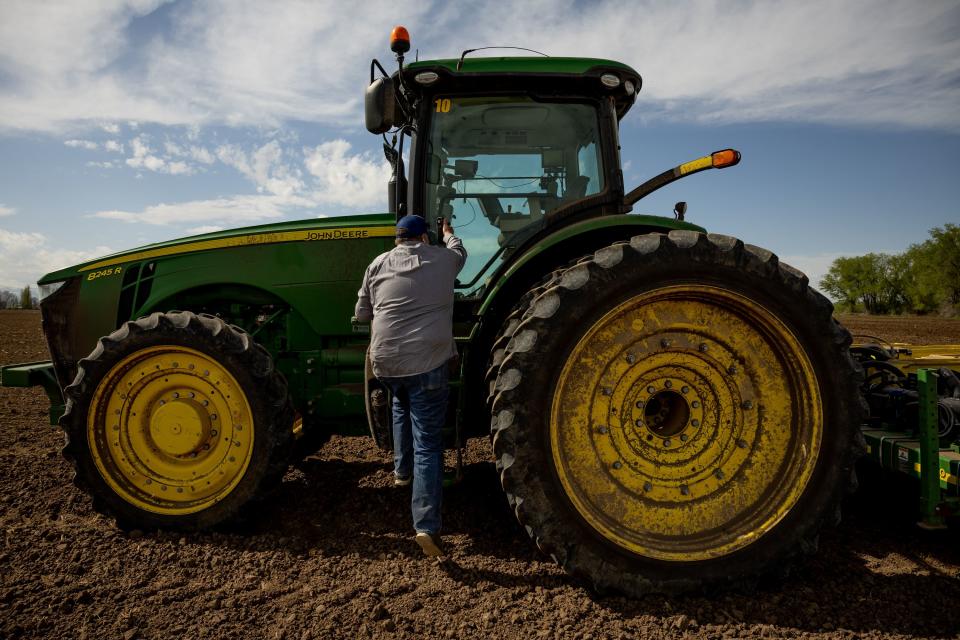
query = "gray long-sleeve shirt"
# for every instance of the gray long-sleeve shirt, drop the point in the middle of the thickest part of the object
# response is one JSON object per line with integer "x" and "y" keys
{"x": 407, "y": 292}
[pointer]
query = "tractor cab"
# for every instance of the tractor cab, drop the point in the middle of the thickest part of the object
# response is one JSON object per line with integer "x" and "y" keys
{"x": 503, "y": 147}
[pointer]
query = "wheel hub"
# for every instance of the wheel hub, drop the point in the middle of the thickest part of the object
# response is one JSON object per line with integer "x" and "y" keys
{"x": 685, "y": 423}
{"x": 179, "y": 427}
{"x": 170, "y": 430}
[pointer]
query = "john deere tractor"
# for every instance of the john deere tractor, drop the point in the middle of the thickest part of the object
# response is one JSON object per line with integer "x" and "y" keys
{"x": 669, "y": 408}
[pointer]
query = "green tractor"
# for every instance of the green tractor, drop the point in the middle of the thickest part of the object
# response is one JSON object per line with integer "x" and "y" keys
{"x": 669, "y": 409}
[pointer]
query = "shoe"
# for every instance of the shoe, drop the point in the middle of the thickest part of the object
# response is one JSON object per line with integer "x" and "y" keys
{"x": 400, "y": 481}
{"x": 429, "y": 544}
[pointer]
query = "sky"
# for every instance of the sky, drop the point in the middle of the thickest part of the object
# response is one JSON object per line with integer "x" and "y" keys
{"x": 127, "y": 122}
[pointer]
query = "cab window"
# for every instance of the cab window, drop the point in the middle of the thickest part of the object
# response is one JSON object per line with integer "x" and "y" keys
{"x": 498, "y": 164}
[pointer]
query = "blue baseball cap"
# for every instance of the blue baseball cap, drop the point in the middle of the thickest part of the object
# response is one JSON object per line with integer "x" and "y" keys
{"x": 411, "y": 227}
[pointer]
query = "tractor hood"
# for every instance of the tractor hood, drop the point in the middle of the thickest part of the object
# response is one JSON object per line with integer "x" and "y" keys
{"x": 365, "y": 225}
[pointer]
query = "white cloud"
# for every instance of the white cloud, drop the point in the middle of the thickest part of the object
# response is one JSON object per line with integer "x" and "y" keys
{"x": 106, "y": 164}
{"x": 111, "y": 128}
{"x": 144, "y": 158}
{"x": 267, "y": 167}
{"x": 345, "y": 179}
{"x": 113, "y": 145}
{"x": 287, "y": 183}
{"x": 200, "y": 154}
{"x": 249, "y": 63}
{"x": 26, "y": 256}
{"x": 6, "y": 211}
{"x": 82, "y": 144}
{"x": 231, "y": 211}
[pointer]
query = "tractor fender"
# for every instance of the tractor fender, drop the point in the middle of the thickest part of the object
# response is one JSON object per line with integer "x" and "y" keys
{"x": 533, "y": 260}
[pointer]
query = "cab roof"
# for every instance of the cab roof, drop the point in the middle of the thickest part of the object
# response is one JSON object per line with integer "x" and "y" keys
{"x": 553, "y": 75}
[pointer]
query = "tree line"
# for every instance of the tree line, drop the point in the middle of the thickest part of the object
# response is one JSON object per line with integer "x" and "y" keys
{"x": 923, "y": 279}
{"x": 24, "y": 300}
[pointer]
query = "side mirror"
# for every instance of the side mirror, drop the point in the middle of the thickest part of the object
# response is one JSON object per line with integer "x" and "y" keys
{"x": 379, "y": 105}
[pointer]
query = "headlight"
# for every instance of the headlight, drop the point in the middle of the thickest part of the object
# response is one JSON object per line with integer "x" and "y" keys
{"x": 610, "y": 80}
{"x": 47, "y": 290}
{"x": 628, "y": 85}
{"x": 426, "y": 77}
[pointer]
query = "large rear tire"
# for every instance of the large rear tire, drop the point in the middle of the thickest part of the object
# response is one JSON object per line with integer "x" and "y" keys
{"x": 177, "y": 420}
{"x": 676, "y": 412}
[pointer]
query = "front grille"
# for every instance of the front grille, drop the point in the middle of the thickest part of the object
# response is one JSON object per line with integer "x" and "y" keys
{"x": 57, "y": 312}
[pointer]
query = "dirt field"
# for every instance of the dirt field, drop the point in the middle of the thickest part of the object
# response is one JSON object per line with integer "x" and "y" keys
{"x": 332, "y": 556}
{"x": 911, "y": 329}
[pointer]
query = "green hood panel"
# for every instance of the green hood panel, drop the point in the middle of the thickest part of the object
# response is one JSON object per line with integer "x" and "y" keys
{"x": 369, "y": 225}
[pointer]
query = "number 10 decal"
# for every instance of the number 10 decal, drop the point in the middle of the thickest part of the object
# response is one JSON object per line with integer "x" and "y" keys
{"x": 442, "y": 105}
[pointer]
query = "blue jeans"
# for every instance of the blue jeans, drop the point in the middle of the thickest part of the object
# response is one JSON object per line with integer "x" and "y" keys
{"x": 419, "y": 411}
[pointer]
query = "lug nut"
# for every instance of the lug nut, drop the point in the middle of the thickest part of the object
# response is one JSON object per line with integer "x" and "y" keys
{"x": 667, "y": 442}
{"x": 732, "y": 369}
{"x": 695, "y": 404}
{"x": 684, "y": 490}
{"x": 631, "y": 358}
{"x": 668, "y": 384}
{"x": 748, "y": 404}
{"x": 617, "y": 464}
{"x": 651, "y": 389}
{"x": 647, "y": 487}
{"x": 719, "y": 474}
{"x": 683, "y": 437}
{"x": 695, "y": 422}
{"x": 703, "y": 347}
{"x": 602, "y": 429}
{"x": 639, "y": 423}
{"x": 664, "y": 343}
{"x": 607, "y": 391}
{"x": 684, "y": 389}
{"x": 639, "y": 404}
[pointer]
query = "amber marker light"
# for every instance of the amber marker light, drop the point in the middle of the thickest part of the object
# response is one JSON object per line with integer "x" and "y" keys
{"x": 725, "y": 158}
{"x": 399, "y": 40}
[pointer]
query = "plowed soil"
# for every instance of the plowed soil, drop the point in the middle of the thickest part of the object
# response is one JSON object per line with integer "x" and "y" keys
{"x": 332, "y": 557}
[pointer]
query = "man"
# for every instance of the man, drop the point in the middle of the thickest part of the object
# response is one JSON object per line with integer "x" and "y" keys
{"x": 408, "y": 294}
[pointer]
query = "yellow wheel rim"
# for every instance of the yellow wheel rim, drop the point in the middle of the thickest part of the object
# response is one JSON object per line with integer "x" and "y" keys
{"x": 686, "y": 423}
{"x": 170, "y": 430}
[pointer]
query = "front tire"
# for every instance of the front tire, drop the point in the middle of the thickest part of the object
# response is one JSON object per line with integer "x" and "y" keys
{"x": 177, "y": 420}
{"x": 674, "y": 413}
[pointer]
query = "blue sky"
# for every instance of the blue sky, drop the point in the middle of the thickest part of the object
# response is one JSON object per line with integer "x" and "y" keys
{"x": 128, "y": 122}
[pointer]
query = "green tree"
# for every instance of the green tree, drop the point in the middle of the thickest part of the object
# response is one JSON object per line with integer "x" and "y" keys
{"x": 26, "y": 300}
{"x": 8, "y": 299}
{"x": 935, "y": 271}
{"x": 875, "y": 282}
